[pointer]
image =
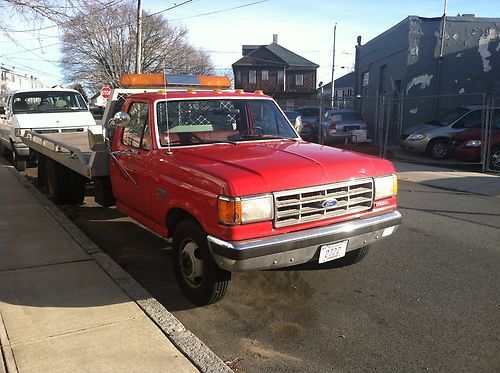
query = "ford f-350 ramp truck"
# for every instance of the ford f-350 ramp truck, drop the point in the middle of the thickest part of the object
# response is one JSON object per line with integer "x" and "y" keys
{"x": 224, "y": 174}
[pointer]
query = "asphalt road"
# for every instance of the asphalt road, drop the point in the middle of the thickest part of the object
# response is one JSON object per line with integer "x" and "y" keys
{"x": 425, "y": 299}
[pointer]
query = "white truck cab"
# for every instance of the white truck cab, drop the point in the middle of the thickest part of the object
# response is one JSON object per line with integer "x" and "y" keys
{"x": 47, "y": 110}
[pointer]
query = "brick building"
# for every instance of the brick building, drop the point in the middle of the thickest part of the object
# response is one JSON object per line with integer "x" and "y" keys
{"x": 279, "y": 72}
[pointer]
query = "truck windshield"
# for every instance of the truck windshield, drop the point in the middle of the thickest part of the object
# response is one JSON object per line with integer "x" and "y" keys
{"x": 47, "y": 101}
{"x": 223, "y": 120}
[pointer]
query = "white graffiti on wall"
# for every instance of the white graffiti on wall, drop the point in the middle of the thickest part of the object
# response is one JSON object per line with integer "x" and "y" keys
{"x": 484, "y": 42}
{"x": 422, "y": 80}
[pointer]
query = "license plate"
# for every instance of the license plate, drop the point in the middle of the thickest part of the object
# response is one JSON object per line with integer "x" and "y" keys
{"x": 332, "y": 251}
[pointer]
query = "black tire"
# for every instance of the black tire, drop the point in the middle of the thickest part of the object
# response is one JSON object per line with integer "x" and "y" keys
{"x": 57, "y": 183}
{"x": 18, "y": 163}
{"x": 196, "y": 272}
{"x": 4, "y": 151}
{"x": 77, "y": 192}
{"x": 353, "y": 257}
{"x": 438, "y": 149}
{"x": 40, "y": 171}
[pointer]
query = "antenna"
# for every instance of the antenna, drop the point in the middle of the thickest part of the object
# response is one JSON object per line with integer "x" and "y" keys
{"x": 169, "y": 150}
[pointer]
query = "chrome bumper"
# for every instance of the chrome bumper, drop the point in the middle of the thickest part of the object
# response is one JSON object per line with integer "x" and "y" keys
{"x": 299, "y": 247}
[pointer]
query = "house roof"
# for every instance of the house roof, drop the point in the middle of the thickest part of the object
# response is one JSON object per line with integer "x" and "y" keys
{"x": 283, "y": 56}
{"x": 342, "y": 82}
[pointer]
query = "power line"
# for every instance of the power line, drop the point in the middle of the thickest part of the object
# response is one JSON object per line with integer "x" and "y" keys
{"x": 220, "y": 11}
{"x": 172, "y": 7}
{"x": 112, "y": 3}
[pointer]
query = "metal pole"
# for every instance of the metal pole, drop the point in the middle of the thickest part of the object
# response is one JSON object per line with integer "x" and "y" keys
{"x": 443, "y": 29}
{"x": 139, "y": 38}
{"x": 333, "y": 64}
{"x": 284, "y": 78}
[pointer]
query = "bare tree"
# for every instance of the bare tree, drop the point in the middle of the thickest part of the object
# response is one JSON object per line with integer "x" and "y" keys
{"x": 56, "y": 11}
{"x": 99, "y": 46}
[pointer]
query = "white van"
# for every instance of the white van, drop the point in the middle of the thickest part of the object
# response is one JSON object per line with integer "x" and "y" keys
{"x": 50, "y": 110}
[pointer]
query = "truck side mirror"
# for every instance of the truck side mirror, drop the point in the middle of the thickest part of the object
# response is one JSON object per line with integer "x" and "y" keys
{"x": 98, "y": 141}
{"x": 121, "y": 119}
{"x": 2, "y": 110}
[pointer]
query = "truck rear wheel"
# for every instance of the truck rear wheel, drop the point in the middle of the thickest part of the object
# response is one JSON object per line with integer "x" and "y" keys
{"x": 353, "y": 257}
{"x": 57, "y": 182}
{"x": 19, "y": 164}
{"x": 197, "y": 274}
{"x": 77, "y": 192}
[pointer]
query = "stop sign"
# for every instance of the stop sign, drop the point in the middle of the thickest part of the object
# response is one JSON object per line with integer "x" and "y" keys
{"x": 105, "y": 92}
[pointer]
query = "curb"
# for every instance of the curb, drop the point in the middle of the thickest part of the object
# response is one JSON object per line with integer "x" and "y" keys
{"x": 191, "y": 346}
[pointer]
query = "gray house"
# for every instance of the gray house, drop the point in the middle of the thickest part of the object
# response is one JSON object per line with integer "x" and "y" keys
{"x": 423, "y": 67}
{"x": 344, "y": 91}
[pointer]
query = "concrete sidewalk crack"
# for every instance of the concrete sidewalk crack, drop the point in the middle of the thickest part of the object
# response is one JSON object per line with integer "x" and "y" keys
{"x": 75, "y": 331}
{"x": 6, "y": 354}
{"x": 90, "y": 259}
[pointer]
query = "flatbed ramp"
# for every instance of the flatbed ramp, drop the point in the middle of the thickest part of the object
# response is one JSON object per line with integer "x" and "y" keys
{"x": 70, "y": 149}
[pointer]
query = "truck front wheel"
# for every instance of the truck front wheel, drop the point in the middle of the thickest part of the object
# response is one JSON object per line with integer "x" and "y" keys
{"x": 353, "y": 257}
{"x": 197, "y": 274}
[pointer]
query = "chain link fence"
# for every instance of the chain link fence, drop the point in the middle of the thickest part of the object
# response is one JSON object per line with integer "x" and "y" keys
{"x": 491, "y": 138}
{"x": 452, "y": 129}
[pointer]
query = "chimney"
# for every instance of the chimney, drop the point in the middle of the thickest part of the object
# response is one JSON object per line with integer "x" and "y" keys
{"x": 359, "y": 40}
{"x": 275, "y": 38}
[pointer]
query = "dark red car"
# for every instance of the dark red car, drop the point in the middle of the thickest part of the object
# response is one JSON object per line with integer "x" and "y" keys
{"x": 467, "y": 145}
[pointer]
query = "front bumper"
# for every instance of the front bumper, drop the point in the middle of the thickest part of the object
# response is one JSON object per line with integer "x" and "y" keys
{"x": 299, "y": 247}
{"x": 419, "y": 146}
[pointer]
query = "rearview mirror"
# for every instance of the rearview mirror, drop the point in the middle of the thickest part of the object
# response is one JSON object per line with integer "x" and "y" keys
{"x": 97, "y": 139}
{"x": 121, "y": 119}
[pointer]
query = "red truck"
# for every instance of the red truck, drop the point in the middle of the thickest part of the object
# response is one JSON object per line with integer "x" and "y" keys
{"x": 224, "y": 174}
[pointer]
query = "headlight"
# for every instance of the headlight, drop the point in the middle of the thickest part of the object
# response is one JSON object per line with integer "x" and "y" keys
{"x": 242, "y": 210}
{"x": 473, "y": 143}
{"x": 386, "y": 186}
{"x": 417, "y": 136}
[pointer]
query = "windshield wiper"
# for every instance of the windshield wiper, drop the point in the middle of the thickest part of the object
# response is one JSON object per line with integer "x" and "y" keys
{"x": 260, "y": 136}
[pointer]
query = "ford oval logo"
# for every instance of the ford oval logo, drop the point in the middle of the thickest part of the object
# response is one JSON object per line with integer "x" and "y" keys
{"x": 328, "y": 203}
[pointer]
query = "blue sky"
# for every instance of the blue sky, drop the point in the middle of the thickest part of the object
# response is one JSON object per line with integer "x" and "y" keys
{"x": 305, "y": 27}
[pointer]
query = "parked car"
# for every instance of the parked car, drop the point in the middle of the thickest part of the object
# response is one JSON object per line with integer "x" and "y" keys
{"x": 310, "y": 122}
{"x": 47, "y": 110}
{"x": 467, "y": 145}
{"x": 433, "y": 137}
{"x": 338, "y": 125}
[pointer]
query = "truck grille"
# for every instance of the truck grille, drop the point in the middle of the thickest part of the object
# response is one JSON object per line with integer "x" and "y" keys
{"x": 322, "y": 202}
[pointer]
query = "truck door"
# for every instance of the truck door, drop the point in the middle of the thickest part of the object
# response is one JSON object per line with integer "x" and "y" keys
{"x": 132, "y": 178}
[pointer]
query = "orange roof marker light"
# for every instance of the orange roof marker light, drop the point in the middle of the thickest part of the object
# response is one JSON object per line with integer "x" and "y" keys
{"x": 170, "y": 80}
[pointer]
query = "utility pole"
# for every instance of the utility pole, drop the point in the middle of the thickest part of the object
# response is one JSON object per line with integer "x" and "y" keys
{"x": 139, "y": 38}
{"x": 333, "y": 64}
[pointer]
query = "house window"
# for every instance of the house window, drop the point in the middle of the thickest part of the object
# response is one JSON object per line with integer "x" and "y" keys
{"x": 265, "y": 75}
{"x": 299, "y": 79}
{"x": 238, "y": 76}
{"x": 281, "y": 76}
{"x": 252, "y": 76}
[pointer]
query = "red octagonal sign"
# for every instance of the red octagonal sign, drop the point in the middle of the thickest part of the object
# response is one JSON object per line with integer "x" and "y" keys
{"x": 105, "y": 92}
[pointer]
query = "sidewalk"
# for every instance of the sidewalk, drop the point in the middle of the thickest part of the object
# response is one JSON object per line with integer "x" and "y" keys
{"x": 464, "y": 181}
{"x": 66, "y": 306}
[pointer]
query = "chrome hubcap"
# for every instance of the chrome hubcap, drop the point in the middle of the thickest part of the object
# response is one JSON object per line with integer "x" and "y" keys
{"x": 191, "y": 263}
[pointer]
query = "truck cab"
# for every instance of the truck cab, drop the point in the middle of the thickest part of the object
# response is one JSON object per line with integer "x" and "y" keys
{"x": 226, "y": 176}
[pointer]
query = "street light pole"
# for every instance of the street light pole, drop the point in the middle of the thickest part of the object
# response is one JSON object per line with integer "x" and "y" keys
{"x": 139, "y": 38}
{"x": 333, "y": 64}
